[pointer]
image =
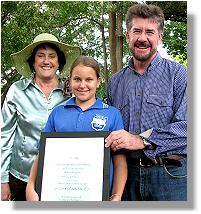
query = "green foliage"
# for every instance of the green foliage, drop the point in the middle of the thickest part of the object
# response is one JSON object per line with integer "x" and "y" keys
{"x": 175, "y": 40}
{"x": 77, "y": 23}
{"x": 102, "y": 92}
{"x": 180, "y": 59}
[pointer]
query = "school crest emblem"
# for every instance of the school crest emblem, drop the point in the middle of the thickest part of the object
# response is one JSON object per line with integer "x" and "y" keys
{"x": 99, "y": 122}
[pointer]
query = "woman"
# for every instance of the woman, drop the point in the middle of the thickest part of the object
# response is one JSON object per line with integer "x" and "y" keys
{"x": 27, "y": 106}
{"x": 79, "y": 114}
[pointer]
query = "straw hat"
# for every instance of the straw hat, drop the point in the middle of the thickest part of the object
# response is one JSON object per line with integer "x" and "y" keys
{"x": 20, "y": 58}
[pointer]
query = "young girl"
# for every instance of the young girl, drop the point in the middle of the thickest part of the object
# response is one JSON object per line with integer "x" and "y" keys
{"x": 84, "y": 80}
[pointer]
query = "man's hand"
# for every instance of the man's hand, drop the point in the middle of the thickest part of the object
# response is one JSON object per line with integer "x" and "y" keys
{"x": 122, "y": 139}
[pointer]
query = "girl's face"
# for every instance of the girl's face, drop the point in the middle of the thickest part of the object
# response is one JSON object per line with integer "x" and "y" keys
{"x": 84, "y": 83}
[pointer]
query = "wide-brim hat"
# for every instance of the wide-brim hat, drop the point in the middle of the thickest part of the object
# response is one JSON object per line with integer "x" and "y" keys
{"x": 20, "y": 58}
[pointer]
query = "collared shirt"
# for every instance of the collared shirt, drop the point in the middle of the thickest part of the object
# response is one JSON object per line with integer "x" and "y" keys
{"x": 71, "y": 118}
{"x": 153, "y": 103}
{"x": 24, "y": 114}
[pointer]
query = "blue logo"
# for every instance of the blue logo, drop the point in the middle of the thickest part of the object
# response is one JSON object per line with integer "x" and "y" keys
{"x": 99, "y": 122}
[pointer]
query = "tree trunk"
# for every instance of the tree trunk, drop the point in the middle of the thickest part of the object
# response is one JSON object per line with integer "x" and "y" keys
{"x": 112, "y": 41}
{"x": 104, "y": 50}
{"x": 119, "y": 41}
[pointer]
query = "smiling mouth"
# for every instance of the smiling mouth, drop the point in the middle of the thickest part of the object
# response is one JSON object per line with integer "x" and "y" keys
{"x": 46, "y": 68}
{"x": 82, "y": 91}
{"x": 142, "y": 47}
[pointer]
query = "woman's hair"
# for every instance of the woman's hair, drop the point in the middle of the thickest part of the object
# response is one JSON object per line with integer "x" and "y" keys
{"x": 60, "y": 54}
{"x": 147, "y": 12}
{"x": 88, "y": 62}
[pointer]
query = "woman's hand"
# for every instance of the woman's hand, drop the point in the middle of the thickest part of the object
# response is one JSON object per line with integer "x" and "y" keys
{"x": 5, "y": 192}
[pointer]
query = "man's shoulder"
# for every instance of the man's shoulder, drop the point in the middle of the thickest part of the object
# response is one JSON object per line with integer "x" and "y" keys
{"x": 173, "y": 63}
{"x": 112, "y": 110}
{"x": 119, "y": 73}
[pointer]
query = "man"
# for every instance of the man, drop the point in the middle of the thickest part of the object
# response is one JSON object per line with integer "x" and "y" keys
{"x": 151, "y": 95}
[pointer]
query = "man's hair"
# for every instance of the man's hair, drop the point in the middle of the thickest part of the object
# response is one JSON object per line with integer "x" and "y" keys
{"x": 147, "y": 12}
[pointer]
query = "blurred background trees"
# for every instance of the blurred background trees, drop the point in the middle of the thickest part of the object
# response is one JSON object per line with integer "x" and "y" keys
{"x": 98, "y": 27}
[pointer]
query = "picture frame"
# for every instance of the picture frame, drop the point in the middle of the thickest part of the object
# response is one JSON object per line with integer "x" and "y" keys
{"x": 73, "y": 166}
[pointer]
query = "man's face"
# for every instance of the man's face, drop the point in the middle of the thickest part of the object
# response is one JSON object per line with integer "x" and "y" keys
{"x": 143, "y": 39}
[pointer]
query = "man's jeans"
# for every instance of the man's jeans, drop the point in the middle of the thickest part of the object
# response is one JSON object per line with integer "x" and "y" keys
{"x": 157, "y": 183}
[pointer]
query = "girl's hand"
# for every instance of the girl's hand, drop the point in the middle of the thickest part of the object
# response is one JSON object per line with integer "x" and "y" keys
{"x": 115, "y": 197}
{"x": 31, "y": 194}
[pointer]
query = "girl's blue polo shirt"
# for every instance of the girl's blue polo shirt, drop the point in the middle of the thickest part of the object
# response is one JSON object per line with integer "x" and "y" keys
{"x": 71, "y": 118}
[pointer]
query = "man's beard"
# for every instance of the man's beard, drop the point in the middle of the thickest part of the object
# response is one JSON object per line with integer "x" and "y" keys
{"x": 142, "y": 57}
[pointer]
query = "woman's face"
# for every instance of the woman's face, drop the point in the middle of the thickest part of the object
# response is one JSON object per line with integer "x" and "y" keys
{"x": 84, "y": 83}
{"x": 46, "y": 62}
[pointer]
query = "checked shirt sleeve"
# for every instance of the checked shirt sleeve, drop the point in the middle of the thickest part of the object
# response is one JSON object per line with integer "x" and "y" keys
{"x": 172, "y": 139}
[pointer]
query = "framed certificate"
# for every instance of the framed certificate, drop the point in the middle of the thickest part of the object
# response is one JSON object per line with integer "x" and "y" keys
{"x": 73, "y": 166}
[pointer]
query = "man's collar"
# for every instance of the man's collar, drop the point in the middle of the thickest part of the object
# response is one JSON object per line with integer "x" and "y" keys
{"x": 153, "y": 63}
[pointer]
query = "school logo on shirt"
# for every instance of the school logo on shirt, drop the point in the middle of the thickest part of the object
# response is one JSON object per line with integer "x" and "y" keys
{"x": 99, "y": 122}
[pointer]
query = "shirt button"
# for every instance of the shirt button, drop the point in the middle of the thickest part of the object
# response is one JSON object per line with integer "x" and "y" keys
{"x": 137, "y": 114}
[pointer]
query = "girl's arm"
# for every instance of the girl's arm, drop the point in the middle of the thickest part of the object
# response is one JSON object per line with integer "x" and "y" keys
{"x": 120, "y": 176}
{"x": 31, "y": 194}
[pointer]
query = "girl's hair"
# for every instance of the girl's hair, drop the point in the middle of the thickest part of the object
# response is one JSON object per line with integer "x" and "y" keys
{"x": 60, "y": 54}
{"x": 147, "y": 12}
{"x": 86, "y": 61}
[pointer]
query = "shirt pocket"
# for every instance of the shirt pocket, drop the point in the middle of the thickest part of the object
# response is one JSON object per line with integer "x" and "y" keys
{"x": 161, "y": 100}
{"x": 159, "y": 110}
